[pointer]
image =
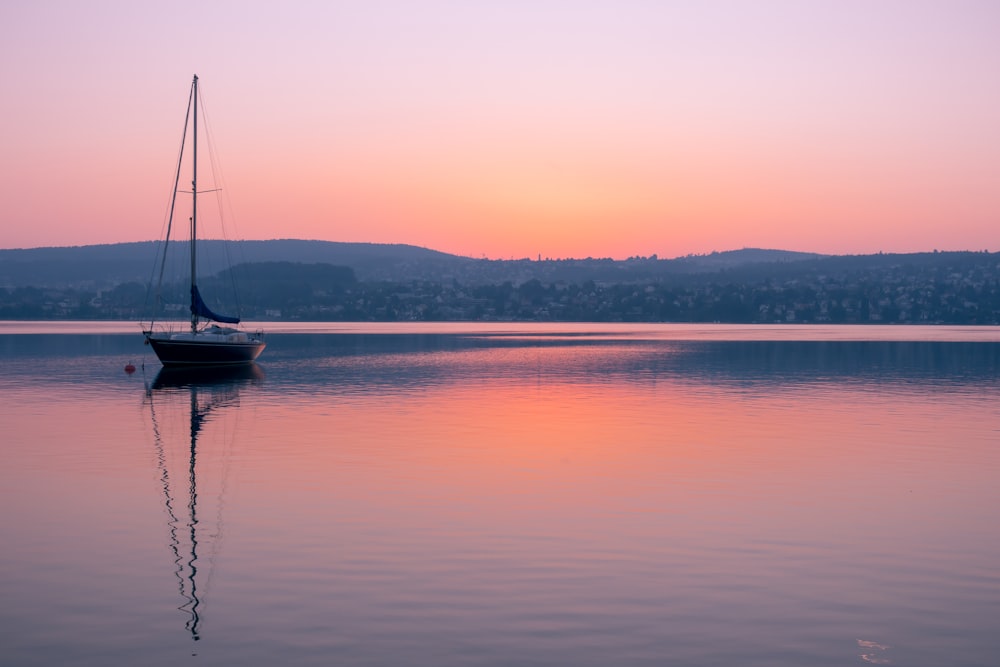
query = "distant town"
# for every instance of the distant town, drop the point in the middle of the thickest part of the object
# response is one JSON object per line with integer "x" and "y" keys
{"x": 402, "y": 283}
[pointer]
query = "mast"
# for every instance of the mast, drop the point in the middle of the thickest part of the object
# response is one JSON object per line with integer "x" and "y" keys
{"x": 194, "y": 202}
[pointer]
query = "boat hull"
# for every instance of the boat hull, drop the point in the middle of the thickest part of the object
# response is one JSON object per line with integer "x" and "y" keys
{"x": 204, "y": 353}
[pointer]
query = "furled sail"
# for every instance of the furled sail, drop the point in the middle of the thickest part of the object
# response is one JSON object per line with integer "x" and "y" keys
{"x": 199, "y": 308}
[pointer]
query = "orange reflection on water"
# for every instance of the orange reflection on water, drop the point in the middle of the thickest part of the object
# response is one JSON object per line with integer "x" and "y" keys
{"x": 794, "y": 461}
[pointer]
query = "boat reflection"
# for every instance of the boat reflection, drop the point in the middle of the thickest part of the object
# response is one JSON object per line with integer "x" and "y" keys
{"x": 207, "y": 376}
{"x": 182, "y": 403}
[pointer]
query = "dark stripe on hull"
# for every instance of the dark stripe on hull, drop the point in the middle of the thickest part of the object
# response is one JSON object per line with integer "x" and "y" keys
{"x": 191, "y": 353}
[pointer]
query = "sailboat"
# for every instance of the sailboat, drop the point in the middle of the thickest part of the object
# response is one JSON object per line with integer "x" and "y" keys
{"x": 211, "y": 343}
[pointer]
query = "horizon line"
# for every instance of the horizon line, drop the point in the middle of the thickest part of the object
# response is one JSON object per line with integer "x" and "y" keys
{"x": 538, "y": 257}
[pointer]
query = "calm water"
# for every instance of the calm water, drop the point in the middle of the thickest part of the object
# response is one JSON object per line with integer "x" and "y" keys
{"x": 504, "y": 495}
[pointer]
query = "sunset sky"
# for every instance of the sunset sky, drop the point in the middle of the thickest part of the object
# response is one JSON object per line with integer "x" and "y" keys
{"x": 514, "y": 128}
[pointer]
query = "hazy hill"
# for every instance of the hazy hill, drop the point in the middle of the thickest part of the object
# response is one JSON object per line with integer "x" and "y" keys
{"x": 305, "y": 280}
{"x": 101, "y": 267}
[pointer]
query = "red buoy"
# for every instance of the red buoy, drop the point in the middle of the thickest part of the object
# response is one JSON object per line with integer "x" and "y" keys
{"x": 129, "y": 368}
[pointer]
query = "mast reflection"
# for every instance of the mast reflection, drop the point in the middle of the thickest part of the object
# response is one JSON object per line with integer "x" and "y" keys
{"x": 210, "y": 391}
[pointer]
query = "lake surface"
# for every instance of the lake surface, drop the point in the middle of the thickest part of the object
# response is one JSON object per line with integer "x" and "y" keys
{"x": 468, "y": 494}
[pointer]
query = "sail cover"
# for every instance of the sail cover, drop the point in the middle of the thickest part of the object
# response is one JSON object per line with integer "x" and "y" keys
{"x": 199, "y": 308}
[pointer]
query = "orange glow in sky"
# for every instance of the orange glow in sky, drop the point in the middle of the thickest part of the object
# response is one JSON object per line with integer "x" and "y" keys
{"x": 560, "y": 129}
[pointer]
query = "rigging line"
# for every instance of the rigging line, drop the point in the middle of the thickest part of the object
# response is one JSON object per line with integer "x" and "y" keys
{"x": 159, "y": 258}
{"x": 230, "y": 399}
{"x": 218, "y": 400}
{"x": 152, "y": 309}
{"x": 177, "y": 176}
{"x": 218, "y": 177}
{"x": 173, "y": 199}
{"x": 173, "y": 524}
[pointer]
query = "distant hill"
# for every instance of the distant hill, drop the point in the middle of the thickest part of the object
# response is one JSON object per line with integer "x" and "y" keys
{"x": 314, "y": 280}
{"x": 101, "y": 267}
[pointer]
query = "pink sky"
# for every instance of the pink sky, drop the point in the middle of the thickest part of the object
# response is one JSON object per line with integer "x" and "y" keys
{"x": 566, "y": 128}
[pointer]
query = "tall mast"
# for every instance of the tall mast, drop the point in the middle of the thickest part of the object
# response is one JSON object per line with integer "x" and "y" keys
{"x": 194, "y": 201}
